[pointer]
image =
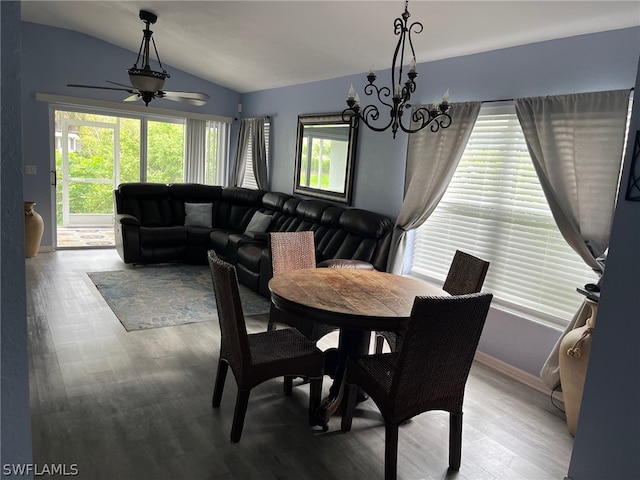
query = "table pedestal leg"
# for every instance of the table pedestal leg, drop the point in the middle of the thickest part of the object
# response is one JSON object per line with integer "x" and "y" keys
{"x": 352, "y": 342}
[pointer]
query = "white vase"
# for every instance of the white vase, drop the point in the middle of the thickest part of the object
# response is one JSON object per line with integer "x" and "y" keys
{"x": 33, "y": 230}
{"x": 575, "y": 348}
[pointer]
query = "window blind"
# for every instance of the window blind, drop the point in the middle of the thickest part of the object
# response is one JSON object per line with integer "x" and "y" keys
{"x": 494, "y": 208}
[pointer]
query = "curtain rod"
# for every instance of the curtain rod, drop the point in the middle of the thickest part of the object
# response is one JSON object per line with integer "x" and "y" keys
{"x": 266, "y": 117}
{"x": 513, "y": 99}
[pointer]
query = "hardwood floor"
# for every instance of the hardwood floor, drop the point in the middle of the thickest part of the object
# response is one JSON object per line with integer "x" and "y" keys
{"x": 137, "y": 405}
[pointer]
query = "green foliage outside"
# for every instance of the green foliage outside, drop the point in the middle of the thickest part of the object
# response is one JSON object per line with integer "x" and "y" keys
{"x": 320, "y": 156}
{"x": 91, "y": 163}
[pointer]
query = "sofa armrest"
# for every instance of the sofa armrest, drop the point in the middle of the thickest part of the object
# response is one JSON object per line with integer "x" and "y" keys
{"x": 235, "y": 241}
{"x": 127, "y": 238}
{"x": 262, "y": 237}
{"x": 126, "y": 219}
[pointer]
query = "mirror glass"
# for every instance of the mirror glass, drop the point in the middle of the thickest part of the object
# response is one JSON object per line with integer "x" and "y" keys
{"x": 325, "y": 156}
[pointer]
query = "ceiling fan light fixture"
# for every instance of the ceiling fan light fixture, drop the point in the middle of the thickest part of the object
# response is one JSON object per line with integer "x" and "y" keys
{"x": 147, "y": 80}
{"x": 149, "y": 83}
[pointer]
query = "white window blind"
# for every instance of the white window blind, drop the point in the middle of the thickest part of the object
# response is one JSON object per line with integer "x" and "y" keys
{"x": 249, "y": 180}
{"x": 494, "y": 208}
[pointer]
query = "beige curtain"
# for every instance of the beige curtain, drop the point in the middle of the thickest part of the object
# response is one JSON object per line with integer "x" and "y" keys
{"x": 576, "y": 143}
{"x": 432, "y": 158}
{"x": 195, "y": 151}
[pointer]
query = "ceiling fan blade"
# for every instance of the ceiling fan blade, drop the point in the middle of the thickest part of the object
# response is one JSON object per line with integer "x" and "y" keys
{"x": 192, "y": 98}
{"x": 99, "y": 87}
{"x": 121, "y": 84}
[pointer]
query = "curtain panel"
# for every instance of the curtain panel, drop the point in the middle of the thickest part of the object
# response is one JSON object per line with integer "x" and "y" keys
{"x": 259, "y": 152}
{"x": 251, "y": 141}
{"x": 195, "y": 151}
{"x": 242, "y": 146}
{"x": 576, "y": 143}
{"x": 432, "y": 159}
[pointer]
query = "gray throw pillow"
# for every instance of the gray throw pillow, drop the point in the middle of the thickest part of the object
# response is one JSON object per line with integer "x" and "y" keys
{"x": 198, "y": 214}
{"x": 259, "y": 223}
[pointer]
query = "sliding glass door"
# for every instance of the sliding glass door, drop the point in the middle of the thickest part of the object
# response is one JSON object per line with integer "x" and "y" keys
{"x": 88, "y": 165}
{"x": 95, "y": 152}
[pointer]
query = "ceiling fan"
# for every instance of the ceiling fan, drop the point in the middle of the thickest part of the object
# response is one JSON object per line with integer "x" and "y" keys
{"x": 146, "y": 83}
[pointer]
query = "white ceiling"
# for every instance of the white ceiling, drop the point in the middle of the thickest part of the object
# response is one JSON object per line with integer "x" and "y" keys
{"x": 255, "y": 45}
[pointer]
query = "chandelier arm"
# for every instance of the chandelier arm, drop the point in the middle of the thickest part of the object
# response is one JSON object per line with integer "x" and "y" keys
{"x": 435, "y": 123}
{"x": 385, "y": 92}
{"x": 399, "y": 29}
{"x": 416, "y": 27}
{"x": 371, "y": 113}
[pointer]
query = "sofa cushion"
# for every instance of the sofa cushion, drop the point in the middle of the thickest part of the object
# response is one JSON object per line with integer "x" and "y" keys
{"x": 197, "y": 214}
{"x": 236, "y": 207}
{"x": 149, "y": 203}
{"x": 259, "y": 223}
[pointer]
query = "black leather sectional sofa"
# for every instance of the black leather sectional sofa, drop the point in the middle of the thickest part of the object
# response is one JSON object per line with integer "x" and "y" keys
{"x": 158, "y": 223}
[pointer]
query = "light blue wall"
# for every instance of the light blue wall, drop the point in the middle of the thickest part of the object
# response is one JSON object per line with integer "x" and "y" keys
{"x": 16, "y": 420}
{"x": 52, "y": 58}
{"x": 603, "y": 61}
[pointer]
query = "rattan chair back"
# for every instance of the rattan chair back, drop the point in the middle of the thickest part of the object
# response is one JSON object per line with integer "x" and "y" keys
{"x": 429, "y": 372}
{"x": 257, "y": 357}
{"x": 437, "y": 353}
{"x": 292, "y": 251}
{"x": 466, "y": 274}
{"x": 234, "y": 343}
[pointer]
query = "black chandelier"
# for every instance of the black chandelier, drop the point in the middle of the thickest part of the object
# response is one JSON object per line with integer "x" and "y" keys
{"x": 435, "y": 115}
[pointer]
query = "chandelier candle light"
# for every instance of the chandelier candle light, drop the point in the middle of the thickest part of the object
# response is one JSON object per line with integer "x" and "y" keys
{"x": 435, "y": 115}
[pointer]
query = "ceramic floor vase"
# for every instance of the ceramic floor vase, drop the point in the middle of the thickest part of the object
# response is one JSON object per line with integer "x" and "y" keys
{"x": 575, "y": 348}
{"x": 33, "y": 230}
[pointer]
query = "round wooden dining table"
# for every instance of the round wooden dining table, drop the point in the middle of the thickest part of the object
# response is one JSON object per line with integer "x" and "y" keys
{"x": 357, "y": 302}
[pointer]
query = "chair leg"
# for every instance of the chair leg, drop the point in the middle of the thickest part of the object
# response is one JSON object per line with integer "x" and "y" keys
{"x": 315, "y": 396}
{"x": 455, "y": 440}
{"x": 221, "y": 376}
{"x": 379, "y": 343}
{"x": 390, "y": 451}
{"x": 351, "y": 396}
{"x": 242, "y": 400}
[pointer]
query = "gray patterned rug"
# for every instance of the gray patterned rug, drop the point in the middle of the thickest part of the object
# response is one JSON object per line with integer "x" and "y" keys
{"x": 166, "y": 295}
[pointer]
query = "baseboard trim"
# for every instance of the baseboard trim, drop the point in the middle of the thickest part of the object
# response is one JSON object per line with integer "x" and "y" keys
{"x": 519, "y": 375}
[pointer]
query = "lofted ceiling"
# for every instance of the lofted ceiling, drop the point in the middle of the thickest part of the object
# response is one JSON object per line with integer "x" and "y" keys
{"x": 255, "y": 45}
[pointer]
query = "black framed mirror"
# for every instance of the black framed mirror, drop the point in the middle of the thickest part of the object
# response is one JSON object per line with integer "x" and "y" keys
{"x": 325, "y": 156}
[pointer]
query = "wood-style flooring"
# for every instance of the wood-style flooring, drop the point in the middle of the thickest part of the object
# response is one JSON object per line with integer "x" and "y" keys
{"x": 137, "y": 405}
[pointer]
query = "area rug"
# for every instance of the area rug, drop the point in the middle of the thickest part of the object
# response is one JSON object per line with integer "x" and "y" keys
{"x": 167, "y": 295}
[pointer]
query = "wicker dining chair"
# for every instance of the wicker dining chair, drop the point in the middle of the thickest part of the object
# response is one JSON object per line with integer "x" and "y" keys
{"x": 294, "y": 251}
{"x": 257, "y": 357}
{"x": 429, "y": 372}
{"x": 466, "y": 275}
